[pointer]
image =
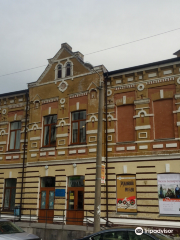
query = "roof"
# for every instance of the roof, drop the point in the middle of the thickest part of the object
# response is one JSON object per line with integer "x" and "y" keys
{"x": 135, "y": 68}
{"x": 14, "y": 93}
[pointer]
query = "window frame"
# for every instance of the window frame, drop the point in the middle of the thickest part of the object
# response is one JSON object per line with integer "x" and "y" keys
{"x": 68, "y": 68}
{"x": 78, "y": 121}
{"x": 15, "y": 130}
{"x": 5, "y": 188}
{"x": 44, "y": 125}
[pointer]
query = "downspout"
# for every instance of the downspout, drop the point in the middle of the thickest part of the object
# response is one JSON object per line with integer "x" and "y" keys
{"x": 106, "y": 152}
{"x": 24, "y": 152}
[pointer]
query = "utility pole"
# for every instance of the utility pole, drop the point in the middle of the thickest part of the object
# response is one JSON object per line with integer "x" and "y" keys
{"x": 97, "y": 207}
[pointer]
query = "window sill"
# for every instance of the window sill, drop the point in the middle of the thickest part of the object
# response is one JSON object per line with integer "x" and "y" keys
{"x": 131, "y": 142}
{"x": 126, "y": 213}
{"x": 47, "y": 148}
{"x": 77, "y": 145}
{"x": 164, "y": 139}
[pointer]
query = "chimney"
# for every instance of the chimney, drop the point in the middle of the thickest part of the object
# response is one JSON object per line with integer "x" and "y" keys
{"x": 177, "y": 53}
{"x": 66, "y": 45}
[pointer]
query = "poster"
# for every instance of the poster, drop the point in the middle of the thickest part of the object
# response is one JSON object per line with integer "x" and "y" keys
{"x": 102, "y": 173}
{"x": 169, "y": 193}
{"x": 126, "y": 193}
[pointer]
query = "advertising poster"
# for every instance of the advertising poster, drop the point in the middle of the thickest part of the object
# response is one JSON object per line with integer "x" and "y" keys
{"x": 126, "y": 193}
{"x": 169, "y": 193}
{"x": 102, "y": 173}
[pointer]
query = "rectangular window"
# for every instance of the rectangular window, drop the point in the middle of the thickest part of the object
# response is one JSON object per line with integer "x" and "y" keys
{"x": 126, "y": 193}
{"x": 163, "y": 119}
{"x": 9, "y": 194}
{"x": 15, "y": 135}
{"x": 126, "y": 130}
{"x": 79, "y": 127}
{"x": 50, "y": 131}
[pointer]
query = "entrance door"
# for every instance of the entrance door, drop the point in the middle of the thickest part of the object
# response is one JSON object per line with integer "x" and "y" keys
{"x": 75, "y": 197}
{"x": 46, "y": 203}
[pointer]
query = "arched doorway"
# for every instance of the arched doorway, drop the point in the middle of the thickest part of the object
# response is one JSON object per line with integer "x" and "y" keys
{"x": 75, "y": 199}
{"x": 46, "y": 202}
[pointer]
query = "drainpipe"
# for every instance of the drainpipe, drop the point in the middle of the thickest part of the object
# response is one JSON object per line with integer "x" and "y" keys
{"x": 24, "y": 152}
{"x": 106, "y": 152}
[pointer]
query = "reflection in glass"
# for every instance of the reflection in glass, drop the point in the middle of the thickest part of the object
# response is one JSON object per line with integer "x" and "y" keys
{"x": 51, "y": 199}
{"x": 82, "y": 131}
{"x": 75, "y": 132}
{"x": 12, "y": 140}
{"x": 43, "y": 199}
{"x": 71, "y": 200}
{"x": 46, "y": 135}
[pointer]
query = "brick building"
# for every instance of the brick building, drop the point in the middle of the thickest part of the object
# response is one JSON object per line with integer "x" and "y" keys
{"x": 53, "y": 166}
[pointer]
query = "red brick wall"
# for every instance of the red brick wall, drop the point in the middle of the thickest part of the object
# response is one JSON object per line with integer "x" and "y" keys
{"x": 126, "y": 129}
{"x": 164, "y": 119}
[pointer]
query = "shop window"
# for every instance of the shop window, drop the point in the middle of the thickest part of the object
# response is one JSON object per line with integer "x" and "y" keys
{"x": 9, "y": 194}
{"x": 15, "y": 135}
{"x": 68, "y": 69}
{"x": 163, "y": 119}
{"x": 126, "y": 193}
{"x": 126, "y": 129}
{"x": 59, "y": 71}
{"x": 79, "y": 127}
{"x": 50, "y": 131}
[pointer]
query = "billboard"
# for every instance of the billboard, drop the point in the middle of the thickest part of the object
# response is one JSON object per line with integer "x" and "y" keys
{"x": 169, "y": 193}
{"x": 126, "y": 193}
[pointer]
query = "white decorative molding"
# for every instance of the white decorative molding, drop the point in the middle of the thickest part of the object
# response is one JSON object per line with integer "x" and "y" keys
{"x": 77, "y": 106}
{"x": 72, "y": 151}
{"x": 63, "y": 86}
{"x": 61, "y": 142}
{"x": 92, "y": 139}
{"x": 109, "y": 138}
{"x": 126, "y": 86}
{"x": 49, "y": 100}
{"x": 62, "y": 100}
{"x": 92, "y": 118}
{"x": 143, "y": 127}
{"x": 167, "y": 167}
{"x": 177, "y": 96}
{"x": 2, "y": 142}
{"x": 110, "y": 117}
{"x": 8, "y": 157}
{"x": 34, "y": 155}
{"x": 4, "y": 123}
{"x": 1, "y": 158}
{"x": 91, "y": 131}
{"x": 91, "y": 150}
{"x": 3, "y": 132}
{"x": 177, "y": 111}
{"x": 161, "y": 93}
{"x": 178, "y": 80}
{"x": 140, "y": 87}
{"x": 144, "y": 113}
{"x": 158, "y": 146}
{"x": 110, "y": 130}
{"x": 108, "y": 83}
{"x": 47, "y": 149}
{"x": 51, "y": 153}
{"x": 20, "y": 100}
{"x": 78, "y": 95}
{"x": 11, "y": 101}
{"x": 35, "y": 138}
{"x": 142, "y": 101}
{"x": 167, "y": 79}
{"x": 62, "y": 135}
{"x": 124, "y": 168}
{"x": 4, "y": 111}
{"x": 62, "y": 123}
{"x": 118, "y": 81}
{"x": 15, "y": 157}
{"x": 49, "y": 111}
{"x": 61, "y": 153}
{"x": 81, "y": 151}
{"x": 143, "y": 147}
{"x": 109, "y": 149}
{"x": 130, "y": 148}
{"x": 124, "y": 99}
{"x": 140, "y": 77}
{"x": 120, "y": 148}
{"x": 171, "y": 145}
{"x": 142, "y": 133}
{"x": 109, "y": 92}
{"x": 178, "y": 124}
{"x": 167, "y": 72}
{"x": 34, "y": 127}
{"x": 34, "y": 145}
{"x": 130, "y": 79}
{"x": 42, "y": 154}
{"x": 152, "y": 75}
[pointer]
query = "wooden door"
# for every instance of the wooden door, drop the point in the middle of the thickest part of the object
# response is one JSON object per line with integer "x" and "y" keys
{"x": 75, "y": 212}
{"x": 46, "y": 205}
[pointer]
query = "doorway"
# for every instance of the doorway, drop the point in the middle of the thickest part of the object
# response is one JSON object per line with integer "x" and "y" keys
{"x": 75, "y": 198}
{"x": 46, "y": 202}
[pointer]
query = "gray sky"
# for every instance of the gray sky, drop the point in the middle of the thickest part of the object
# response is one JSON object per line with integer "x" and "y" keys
{"x": 31, "y": 31}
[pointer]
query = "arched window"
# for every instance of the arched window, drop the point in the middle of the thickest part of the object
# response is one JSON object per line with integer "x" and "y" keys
{"x": 68, "y": 69}
{"x": 59, "y": 71}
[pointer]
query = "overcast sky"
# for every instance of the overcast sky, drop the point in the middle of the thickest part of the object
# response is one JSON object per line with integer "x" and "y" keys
{"x": 31, "y": 31}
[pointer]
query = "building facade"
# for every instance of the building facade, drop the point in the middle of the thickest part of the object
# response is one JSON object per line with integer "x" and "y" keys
{"x": 48, "y": 143}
